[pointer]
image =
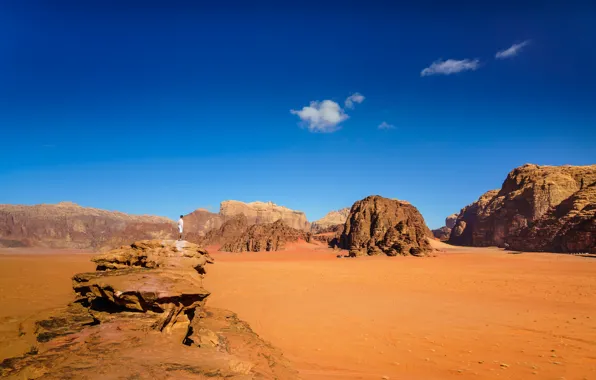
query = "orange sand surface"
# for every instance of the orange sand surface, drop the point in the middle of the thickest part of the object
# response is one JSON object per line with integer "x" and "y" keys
{"x": 467, "y": 313}
{"x": 32, "y": 281}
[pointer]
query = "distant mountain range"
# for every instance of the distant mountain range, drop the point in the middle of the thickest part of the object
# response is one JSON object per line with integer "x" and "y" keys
{"x": 538, "y": 208}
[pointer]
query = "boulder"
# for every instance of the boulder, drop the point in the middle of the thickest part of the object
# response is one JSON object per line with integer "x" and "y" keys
{"x": 394, "y": 227}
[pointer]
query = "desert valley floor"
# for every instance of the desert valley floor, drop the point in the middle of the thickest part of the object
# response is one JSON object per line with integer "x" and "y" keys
{"x": 468, "y": 313}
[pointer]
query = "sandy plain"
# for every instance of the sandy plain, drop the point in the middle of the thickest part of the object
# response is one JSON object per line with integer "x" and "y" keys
{"x": 468, "y": 313}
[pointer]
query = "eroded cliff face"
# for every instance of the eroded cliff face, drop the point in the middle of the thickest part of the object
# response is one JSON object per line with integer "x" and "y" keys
{"x": 199, "y": 222}
{"x": 264, "y": 237}
{"x": 568, "y": 227}
{"x": 378, "y": 225}
{"x": 67, "y": 225}
{"x": 333, "y": 218}
{"x": 529, "y": 194}
{"x": 264, "y": 212}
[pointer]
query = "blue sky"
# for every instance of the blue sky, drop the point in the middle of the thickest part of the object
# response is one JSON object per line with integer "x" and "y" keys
{"x": 165, "y": 107}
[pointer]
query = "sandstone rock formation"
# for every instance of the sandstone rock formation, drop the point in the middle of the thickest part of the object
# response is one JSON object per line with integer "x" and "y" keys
{"x": 142, "y": 315}
{"x": 444, "y": 232}
{"x": 264, "y": 212}
{"x": 451, "y": 220}
{"x": 264, "y": 237}
{"x": 330, "y": 235}
{"x": 568, "y": 227}
{"x": 378, "y": 225}
{"x": 230, "y": 230}
{"x": 334, "y": 218}
{"x": 529, "y": 194}
{"x": 67, "y": 225}
{"x": 198, "y": 222}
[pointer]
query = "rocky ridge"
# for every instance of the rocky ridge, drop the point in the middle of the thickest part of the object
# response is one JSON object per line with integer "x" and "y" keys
{"x": 333, "y": 218}
{"x": 199, "y": 222}
{"x": 378, "y": 225}
{"x": 264, "y": 237}
{"x": 264, "y": 212}
{"x": 529, "y": 194}
{"x": 143, "y": 315}
{"x": 67, "y": 225}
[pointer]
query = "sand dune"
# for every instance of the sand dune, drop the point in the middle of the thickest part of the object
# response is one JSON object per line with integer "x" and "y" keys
{"x": 465, "y": 314}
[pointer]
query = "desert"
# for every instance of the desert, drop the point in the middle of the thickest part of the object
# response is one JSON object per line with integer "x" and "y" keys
{"x": 466, "y": 313}
{"x": 285, "y": 190}
{"x": 367, "y": 292}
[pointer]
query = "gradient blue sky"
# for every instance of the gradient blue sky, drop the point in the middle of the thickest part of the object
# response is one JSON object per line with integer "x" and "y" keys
{"x": 164, "y": 107}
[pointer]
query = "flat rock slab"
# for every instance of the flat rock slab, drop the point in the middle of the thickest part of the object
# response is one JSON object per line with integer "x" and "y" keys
{"x": 141, "y": 289}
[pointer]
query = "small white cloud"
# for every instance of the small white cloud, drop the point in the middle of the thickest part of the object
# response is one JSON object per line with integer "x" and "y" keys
{"x": 450, "y": 66}
{"x": 385, "y": 125}
{"x": 354, "y": 98}
{"x": 322, "y": 116}
{"x": 512, "y": 51}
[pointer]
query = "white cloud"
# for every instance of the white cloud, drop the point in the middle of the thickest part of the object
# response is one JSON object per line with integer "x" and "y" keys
{"x": 354, "y": 98}
{"x": 322, "y": 116}
{"x": 385, "y": 125}
{"x": 450, "y": 66}
{"x": 512, "y": 51}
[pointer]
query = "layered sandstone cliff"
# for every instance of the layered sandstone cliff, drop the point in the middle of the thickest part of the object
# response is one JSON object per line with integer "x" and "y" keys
{"x": 568, "y": 227}
{"x": 198, "y": 223}
{"x": 378, "y": 225}
{"x": 333, "y": 218}
{"x": 264, "y": 237}
{"x": 67, "y": 225}
{"x": 264, "y": 212}
{"x": 529, "y": 194}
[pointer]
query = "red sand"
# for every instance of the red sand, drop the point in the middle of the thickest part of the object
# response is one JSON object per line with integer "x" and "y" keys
{"x": 466, "y": 314}
{"x": 476, "y": 314}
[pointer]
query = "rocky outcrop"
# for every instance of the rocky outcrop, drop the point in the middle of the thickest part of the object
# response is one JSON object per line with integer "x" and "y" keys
{"x": 264, "y": 212}
{"x": 568, "y": 227}
{"x": 334, "y": 218}
{"x": 330, "y": 235}
{"x": 230, "y": 230}
{"x": 451, "y": 220}
{"x": 198, "y": 222}
{"x": 67, "y": 225}
{"x": 264, "y": 237}
{"x": 143, "y": 315}
{"x": 378, "y": 225}
{"x": 444, "y": 232}
{"x": 528, "y": 194}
